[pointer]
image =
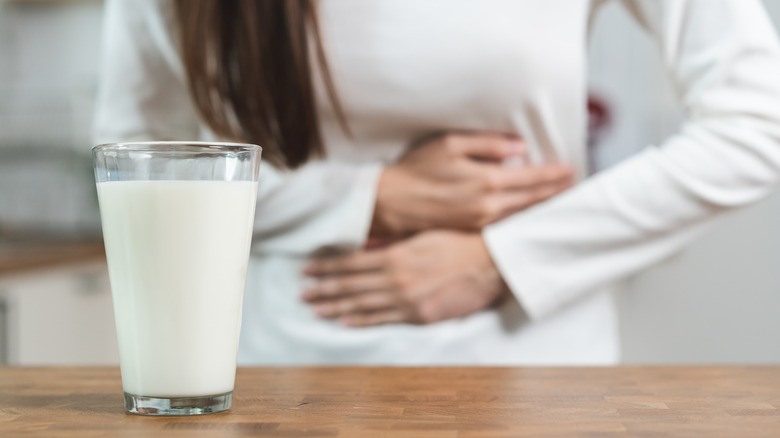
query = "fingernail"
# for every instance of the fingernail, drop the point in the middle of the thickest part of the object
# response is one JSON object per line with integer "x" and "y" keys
{"x": 516, "y": 146}
{"x": 322, "y": 311}
{"x": 308, "y": 295}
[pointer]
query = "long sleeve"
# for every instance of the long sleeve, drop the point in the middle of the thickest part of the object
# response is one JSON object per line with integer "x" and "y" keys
{"x": 724, "y": 60}
{"x": 143, "y": 96}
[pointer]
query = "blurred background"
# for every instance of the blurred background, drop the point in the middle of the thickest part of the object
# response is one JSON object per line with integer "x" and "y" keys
{"x": 714, "y": 303}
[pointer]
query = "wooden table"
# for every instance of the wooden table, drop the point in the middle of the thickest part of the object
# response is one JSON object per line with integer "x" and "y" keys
{"x": 414, "y": 402}
{"x": 18, "y": 258}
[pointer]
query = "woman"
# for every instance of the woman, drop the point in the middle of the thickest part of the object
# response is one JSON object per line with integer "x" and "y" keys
{"x": 470, "y": 275}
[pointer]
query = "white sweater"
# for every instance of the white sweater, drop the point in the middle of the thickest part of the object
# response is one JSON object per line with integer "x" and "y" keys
{"x": 407, "y": 68}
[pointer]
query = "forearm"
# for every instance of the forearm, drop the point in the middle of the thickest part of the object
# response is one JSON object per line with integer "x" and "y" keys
{"x": 723, "y": 59}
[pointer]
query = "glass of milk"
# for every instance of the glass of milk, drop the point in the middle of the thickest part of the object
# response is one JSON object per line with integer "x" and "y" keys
{"x": 177, "y": 225}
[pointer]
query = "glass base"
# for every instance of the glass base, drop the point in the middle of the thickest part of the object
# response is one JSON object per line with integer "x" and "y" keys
{"x": 207, "y": 404}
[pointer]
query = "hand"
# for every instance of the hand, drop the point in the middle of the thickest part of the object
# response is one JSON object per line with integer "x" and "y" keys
{"x": 433, "y": 276}
{"x": 458, "y": 181}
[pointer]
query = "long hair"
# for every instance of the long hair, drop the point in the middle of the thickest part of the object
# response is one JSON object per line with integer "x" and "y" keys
{"x": 250, "y": 75}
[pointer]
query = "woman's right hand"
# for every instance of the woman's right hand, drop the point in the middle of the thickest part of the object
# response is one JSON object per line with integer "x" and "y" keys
{"x": 459, "y": 181}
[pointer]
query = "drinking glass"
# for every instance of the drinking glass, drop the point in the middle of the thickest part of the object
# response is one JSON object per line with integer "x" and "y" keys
{"x": 177, "y": 225}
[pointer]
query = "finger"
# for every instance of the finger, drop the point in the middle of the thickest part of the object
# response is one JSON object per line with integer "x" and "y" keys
{"x": 513, "y": 201}
{"x": 356, "y": 304}
{"x": 487, "y": 146}
{"x": 336, "y": 286}
{"x": 354, "y": 262}
{"x": 526, "y": 177}
{"x": 374, "y": 242}
{"x": 375, "y": 318}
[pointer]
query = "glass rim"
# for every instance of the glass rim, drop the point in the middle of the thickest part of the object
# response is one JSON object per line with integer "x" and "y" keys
{"x": 196, "y": 146}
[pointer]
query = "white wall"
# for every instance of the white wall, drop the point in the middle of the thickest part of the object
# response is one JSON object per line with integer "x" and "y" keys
{"x": 48, "y": 72}
{"x": 718, "y": 300}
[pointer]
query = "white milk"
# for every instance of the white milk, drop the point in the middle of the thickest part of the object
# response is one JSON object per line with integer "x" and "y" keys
{"x": 177, "y": 256}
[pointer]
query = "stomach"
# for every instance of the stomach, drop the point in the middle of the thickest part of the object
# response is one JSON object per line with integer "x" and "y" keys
{"x": 280, "y": 329}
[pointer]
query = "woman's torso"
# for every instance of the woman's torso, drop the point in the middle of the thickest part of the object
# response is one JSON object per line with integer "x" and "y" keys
{"x": 408, "y": 69}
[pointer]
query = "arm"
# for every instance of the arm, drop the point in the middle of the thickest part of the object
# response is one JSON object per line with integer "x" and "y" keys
{"x": 724, "y": 59}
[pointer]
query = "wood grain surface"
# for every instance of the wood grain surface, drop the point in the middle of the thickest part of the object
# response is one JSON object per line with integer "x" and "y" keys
{"x": 414, "y": 402}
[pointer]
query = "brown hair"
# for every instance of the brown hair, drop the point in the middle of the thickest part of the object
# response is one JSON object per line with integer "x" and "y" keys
{"x": 249, "y": 73}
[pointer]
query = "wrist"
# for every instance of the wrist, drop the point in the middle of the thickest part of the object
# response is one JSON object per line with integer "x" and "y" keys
{"x": 491, "y": 273}
{"x": 384, "y": 223}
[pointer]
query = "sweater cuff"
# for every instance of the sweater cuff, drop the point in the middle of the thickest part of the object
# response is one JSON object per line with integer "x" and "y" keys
{"x": 362, "y": 202}
{"x": 512, "y": 264}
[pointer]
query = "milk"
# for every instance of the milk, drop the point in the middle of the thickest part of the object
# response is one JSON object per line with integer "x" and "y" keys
{"x": 177, "y": 256}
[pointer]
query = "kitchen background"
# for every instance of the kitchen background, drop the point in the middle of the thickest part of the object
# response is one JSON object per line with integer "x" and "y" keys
{"x": 715, "y": 302}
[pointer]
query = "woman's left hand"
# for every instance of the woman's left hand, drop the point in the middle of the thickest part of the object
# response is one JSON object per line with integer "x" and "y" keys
{"x": 432, "y": 276}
